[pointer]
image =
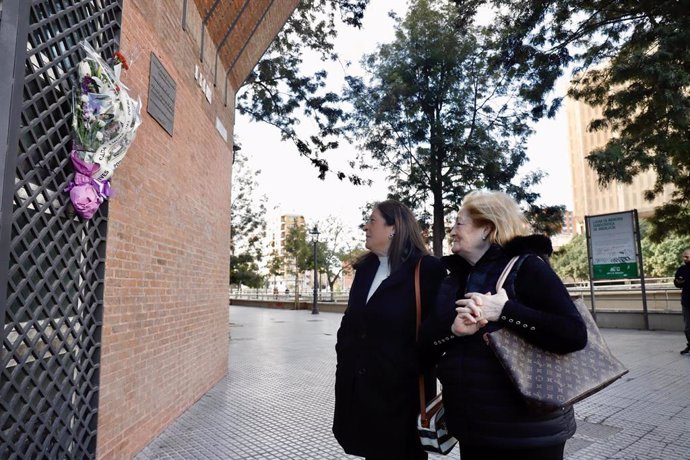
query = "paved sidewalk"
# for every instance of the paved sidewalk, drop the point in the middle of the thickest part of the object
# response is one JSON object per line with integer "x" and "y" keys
{"x": 277, "y": 400}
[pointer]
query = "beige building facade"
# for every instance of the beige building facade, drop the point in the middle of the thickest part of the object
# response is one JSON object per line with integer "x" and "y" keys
{"x": 589, "y": 198}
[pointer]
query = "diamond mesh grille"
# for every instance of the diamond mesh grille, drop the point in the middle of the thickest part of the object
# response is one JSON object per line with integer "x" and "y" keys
{"x": 51, "y": 330}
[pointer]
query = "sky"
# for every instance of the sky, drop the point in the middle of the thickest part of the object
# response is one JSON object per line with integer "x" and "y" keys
{"x": 291, "y": 184}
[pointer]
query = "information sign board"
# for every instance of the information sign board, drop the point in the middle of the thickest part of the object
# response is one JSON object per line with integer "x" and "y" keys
{"x": 613, "y": 246}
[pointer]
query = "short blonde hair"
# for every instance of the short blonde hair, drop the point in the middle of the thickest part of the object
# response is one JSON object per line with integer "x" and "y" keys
{"x": 498, "y": 210}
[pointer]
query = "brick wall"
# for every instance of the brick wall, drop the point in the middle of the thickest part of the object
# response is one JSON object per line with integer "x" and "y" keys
{"x": 165, "y": 321}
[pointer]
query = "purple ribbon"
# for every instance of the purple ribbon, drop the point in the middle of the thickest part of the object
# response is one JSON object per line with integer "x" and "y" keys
{"x": 86, "y": 193}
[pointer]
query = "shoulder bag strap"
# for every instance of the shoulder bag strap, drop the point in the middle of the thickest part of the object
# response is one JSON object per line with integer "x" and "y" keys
{"x": 418, "y": 302}
{"x": 506, "y": 272}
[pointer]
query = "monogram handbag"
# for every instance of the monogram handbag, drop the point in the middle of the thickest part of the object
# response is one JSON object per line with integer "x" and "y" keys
{"x": 549, "y": 380}
{"x": 431, "y": 422}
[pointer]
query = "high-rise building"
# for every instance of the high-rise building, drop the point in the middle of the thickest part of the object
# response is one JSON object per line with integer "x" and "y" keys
{"x": 287, "y": 222}
{"x": 589, "y": 198}
{"x": 566, "y": 233}
{"x": 275, "y": 244}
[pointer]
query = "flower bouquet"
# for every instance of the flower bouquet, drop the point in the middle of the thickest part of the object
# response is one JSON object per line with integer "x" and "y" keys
{"x": 105, "y": 119}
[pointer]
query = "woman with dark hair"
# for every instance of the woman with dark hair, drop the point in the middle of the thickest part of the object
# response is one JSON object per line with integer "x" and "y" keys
{"x": 376, "y": 382}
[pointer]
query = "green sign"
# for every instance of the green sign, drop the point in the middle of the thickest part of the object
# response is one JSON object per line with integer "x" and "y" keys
{"x": 614, "y": 271}
{"x": 613, "y": 246}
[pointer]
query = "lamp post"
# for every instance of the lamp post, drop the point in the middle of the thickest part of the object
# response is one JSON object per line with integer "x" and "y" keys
{"x": 315, "y": 239}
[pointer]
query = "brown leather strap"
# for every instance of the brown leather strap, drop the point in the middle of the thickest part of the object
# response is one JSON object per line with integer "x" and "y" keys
{"x": 418, "y": 302}
{"x": 417, "y": 297}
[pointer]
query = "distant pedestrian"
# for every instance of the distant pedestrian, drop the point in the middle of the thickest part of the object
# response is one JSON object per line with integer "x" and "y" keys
{"x": 376, "y": 378}
{"x": 681, "y": 281}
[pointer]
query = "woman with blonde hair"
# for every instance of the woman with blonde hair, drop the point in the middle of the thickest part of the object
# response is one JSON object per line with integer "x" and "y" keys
{"x": 484, "y": 411}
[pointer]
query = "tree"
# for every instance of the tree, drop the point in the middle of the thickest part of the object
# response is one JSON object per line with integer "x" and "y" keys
{"x": 276, "y": 265}
{"x": 247, "y": 224}
{"x": 278, "y": 93}
{"x": 298, "y": 252}
{"x": 245, "y": 271}
{"x": 571, "y": 261}
{"x": 661, "y": 259}
{"x": 438, "y": 118}
{"x": 335, "y": 249}
{"x": 632, "y": 58}
{"x": 547, "y": 220}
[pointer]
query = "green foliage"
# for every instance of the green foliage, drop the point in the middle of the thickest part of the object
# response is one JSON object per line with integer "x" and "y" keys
{"x": 245, "y": 271}
{"x": 335, "y": 248}
{"x": 247, "y": 224}
{"x": 278, "y": 93}
{"x": 437, "y": 117}
{"x": 663, "y": 258}
{"x": 630, "y": 57}
{"x": 276, "y": 264}
{"x": 547, "y": 220}
{"x": 570, "y": 261}
{"x": 672, "y": 217}
{"x": 299, "y": 255}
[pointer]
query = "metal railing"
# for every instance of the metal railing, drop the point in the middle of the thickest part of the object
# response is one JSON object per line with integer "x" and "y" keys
{"x": 304, "y": 296}
{"x": 624, "y": 285}
{"x": 661, "y": 293}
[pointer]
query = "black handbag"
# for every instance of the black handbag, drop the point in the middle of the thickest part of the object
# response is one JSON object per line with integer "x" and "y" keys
{"x": 431, "y": 422}
{"x": 549, "y": 380}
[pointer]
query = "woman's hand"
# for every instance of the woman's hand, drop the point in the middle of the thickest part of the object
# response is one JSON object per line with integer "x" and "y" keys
{"x": 491, "y": 305}
{"x": 468, "y": 320}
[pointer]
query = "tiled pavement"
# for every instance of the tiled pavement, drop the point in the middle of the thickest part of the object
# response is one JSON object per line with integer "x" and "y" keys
{"x": 276, "y": 401}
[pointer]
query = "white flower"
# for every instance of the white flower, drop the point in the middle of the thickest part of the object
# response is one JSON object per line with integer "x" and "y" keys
{"x": 101, "y": 123}
{"x": 99, "y": 136}
{"x": 84, "y": 69}
{"x": 84, "y": 98}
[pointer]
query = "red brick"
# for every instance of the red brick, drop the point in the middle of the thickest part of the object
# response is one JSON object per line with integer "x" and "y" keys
{"x": 165, "y": 320}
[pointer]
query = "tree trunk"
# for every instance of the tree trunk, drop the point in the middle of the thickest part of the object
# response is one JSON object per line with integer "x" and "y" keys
{"x": 296, "y": 291}
{"x": 437, "y": 154}
{"x": 439, "y": 228}
{"x": 330, "y": 285}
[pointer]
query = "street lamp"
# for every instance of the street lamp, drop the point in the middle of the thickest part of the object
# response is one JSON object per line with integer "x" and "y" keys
{"x": 315, "y": 239}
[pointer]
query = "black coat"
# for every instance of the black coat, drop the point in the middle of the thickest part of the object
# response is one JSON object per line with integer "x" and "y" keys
{"x": 681, "y": 281}
{"x": 376, "y": 383}
{"x": 482, "y": 406}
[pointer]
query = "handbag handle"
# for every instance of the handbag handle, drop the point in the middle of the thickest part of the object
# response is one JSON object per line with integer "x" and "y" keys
{"x": 505, "y": 273}
{"x": 499, "y": 285}
{"x": 418, "y": 301}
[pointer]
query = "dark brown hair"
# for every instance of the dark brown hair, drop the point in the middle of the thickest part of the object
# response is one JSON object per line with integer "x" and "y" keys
{"x": 408, "y": 236}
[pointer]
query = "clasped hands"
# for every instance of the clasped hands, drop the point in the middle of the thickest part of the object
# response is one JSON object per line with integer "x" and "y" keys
{"x": 476, "y": 310}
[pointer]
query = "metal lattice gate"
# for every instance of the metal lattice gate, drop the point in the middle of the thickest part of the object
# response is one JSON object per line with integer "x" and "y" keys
{"x": 51, "y": 278}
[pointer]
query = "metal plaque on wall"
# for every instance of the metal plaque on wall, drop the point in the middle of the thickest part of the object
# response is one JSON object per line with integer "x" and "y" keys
{"x": 161, "y": 104}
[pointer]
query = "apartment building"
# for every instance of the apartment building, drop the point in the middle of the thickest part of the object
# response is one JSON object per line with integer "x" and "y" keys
{"x": 589, "y": 198}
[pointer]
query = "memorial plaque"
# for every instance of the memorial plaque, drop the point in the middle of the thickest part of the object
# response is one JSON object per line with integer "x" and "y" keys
{"x": 161, "y": 104}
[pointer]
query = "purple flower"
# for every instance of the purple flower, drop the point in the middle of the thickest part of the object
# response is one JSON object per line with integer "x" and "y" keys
{"x": 88, "y": 85}
{"x": 94, "y": 106}
{"x": 85, "y": 197}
